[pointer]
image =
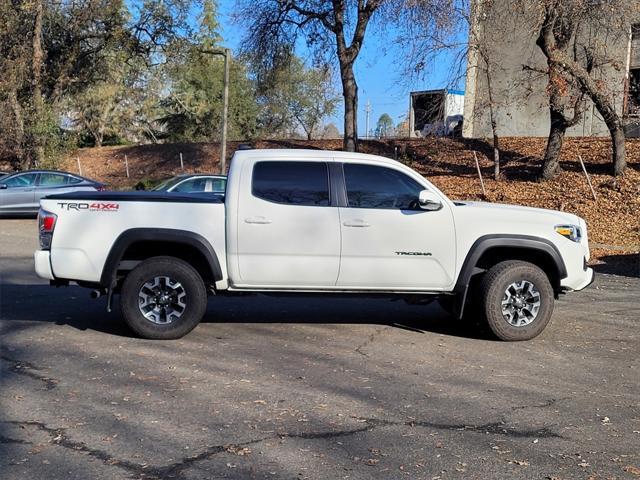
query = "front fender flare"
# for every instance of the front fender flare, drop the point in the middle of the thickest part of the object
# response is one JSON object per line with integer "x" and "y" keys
{"x": 488, "y": 242}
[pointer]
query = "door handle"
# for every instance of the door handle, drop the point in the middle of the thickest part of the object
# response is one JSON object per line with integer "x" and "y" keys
{"x": 356, "y": 223}
{"x": 257, "y": 220}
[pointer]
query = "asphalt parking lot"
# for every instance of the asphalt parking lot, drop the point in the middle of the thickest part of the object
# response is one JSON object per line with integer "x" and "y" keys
{"x": 312, "y": 388}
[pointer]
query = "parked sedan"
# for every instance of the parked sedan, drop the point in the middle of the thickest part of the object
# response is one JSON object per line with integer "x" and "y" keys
{"x": 20, "y": 193}
{"x": 194, "y": 183}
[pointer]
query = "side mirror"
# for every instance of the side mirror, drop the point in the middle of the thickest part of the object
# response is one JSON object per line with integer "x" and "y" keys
{"x": 3, "y": 186}
{"x": 429, "y": 201}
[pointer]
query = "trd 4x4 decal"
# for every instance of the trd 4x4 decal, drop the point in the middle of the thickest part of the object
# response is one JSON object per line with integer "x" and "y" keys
{"x": 91, "y": 207}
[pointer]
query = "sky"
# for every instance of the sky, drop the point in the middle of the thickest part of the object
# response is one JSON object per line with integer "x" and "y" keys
{"x": 379, "y": 77}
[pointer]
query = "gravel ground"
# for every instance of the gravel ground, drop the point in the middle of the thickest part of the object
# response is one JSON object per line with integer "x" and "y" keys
{"x": 310, "y": 387}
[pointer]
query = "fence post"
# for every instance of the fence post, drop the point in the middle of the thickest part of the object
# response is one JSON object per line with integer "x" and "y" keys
{"x": 584, "y": 169}
{"x": 475, "y": 155}
{"x": 79, "y": 166}
{"x": 181, "y": 162}
{"x": 126, "y": 164}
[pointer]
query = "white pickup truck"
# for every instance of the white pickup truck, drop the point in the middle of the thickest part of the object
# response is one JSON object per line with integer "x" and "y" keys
{"x": 313, "y": 221}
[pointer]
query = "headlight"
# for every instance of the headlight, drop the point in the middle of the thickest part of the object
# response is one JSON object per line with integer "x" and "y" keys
{"x": 572, "y": 232}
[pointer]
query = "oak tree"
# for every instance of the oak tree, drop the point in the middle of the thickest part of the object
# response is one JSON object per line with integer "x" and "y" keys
{"x": 335, "y": 31}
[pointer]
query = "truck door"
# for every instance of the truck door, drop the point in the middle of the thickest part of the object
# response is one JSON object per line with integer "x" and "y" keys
{"x": 288, "y": 232}
{"x": 388, "y": 242}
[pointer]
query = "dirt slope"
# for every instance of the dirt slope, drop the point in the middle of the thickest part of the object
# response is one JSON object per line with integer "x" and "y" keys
{"x": 614, "y": 218}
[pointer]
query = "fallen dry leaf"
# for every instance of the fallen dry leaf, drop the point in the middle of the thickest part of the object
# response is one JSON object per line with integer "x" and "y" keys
{"x": 632, "y": 470}
{"x": 237, "y": 450}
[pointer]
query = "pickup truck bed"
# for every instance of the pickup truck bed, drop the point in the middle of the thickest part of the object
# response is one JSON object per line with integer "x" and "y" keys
{"x": 141, "y": 196}
{"x": 130, "y": 218}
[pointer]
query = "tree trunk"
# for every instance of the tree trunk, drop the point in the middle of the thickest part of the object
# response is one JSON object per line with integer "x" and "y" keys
{"x": 494, "y": 122}
{"x": 551, "y": 163}
{"x": 614, "y": 124}
{"x": 350, "y": 93}
{"x": 38, "y": 103}
{"x": 18, "y": 139}
{"x": 559, "y": 123}
{"x": 603, "y": 103}
{"x": 309, "y": 136}
{"x": 619, "y": 150}
{"x": 496, "y": 138}
{"x": 496, "y": 156}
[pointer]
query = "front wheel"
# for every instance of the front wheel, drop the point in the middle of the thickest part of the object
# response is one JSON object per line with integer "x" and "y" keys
{"x": 163, "y": 298}
{"x": 517, "y": 300}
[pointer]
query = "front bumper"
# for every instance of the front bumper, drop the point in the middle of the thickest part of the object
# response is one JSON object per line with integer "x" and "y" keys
{"x": 583, "y": 282}
{"x": 42, "y": 260}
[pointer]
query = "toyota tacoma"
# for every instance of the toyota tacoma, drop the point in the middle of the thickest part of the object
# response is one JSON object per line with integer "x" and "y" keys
{"x": 301, "y": 221}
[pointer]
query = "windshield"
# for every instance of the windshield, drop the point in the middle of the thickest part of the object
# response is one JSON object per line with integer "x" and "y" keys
{"x": 167, "y": 184}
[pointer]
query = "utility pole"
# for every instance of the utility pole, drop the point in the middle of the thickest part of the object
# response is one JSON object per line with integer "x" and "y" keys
{"x": 225, "y": 112}
{"x": 226, "y": 53}
{"x": 367, "y": 109}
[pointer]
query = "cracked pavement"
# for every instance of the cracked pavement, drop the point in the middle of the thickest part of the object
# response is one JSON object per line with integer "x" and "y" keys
{"x": 312, "y": 387}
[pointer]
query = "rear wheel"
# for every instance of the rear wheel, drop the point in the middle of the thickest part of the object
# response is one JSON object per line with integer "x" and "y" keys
{"x": 517, "y": 300}
{"x": 163, "y": 298}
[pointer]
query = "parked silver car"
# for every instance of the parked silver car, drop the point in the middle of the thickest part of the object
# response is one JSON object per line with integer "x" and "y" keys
{"x": 20, "y": 192}
{"x": 193, "y": 183}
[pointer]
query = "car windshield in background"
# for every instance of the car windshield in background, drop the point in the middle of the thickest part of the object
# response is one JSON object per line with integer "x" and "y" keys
{"x": 166, "y": 184}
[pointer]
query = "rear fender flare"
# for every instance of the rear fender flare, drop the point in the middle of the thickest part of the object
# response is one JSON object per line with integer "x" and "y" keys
{"x": 136, "y": 235}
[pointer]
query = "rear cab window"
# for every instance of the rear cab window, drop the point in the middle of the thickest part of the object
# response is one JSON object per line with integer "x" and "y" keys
{"x": 292, "y": 183}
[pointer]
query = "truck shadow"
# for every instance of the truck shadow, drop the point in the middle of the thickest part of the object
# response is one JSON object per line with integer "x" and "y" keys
{"x": 336, "y": 309}
{"x": 22, "y": 305}
{"x": 625, "y": 264}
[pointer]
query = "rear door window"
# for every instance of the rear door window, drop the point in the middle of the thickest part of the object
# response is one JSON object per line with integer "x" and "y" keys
{"x": 292, "y": 183}
{"x": 52, "y": 180}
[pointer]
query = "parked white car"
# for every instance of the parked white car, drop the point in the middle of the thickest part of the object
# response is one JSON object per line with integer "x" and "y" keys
{"x": 313, "y": 221}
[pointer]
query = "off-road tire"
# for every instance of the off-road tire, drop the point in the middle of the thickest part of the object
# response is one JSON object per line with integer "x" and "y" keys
{"x": 162, "y": 266}
{"x": 492, "y": 292}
